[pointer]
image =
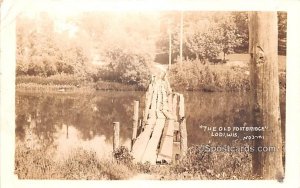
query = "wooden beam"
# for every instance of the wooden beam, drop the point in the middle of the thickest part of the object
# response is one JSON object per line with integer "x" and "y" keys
{"x": 150, "y": 154}
{"x": 166, "y": 151}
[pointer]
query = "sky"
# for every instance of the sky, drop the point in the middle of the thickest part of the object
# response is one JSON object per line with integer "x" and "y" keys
{"x": 69, "y": 7}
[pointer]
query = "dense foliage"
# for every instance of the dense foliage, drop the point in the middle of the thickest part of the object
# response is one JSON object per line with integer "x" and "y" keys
{"x": 43, "y": 52}
{"x": 207, "y": 35}
{"x": 125, "y": 56}
{"x": 197, "y": 77}
{"x": 89, "y": 47}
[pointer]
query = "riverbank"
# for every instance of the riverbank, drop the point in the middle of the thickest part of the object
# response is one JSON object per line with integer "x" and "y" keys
{"x": 84, "y": 164}
{"x": 45, "y": 85}
{"x": 190, "y": 76}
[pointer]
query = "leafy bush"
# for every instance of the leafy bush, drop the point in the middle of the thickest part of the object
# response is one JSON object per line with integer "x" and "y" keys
{"x": 128, "y": 67}
{"x": 193, "y": 75}
{"x": 122, "y": 155}
{"x": 82, "y": 164}
{"x": 215, "y": 165}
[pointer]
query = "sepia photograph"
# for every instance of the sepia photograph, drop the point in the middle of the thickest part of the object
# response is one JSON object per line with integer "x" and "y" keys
{"x": 168, "y": 95}
{"x": 149, "y": 94}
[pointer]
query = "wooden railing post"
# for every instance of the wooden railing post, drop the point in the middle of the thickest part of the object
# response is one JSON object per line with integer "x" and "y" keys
{"x": 116, "y": 136}
{"x": 174, "y": 103}
{"x": 148, "y": 100}
{"x": 181, "y": 107}
{"x": 182, "y": 127}
{"x": 135, "y": 121}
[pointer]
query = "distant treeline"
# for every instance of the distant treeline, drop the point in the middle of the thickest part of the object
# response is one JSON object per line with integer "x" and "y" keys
{"x": 123, "y": 47}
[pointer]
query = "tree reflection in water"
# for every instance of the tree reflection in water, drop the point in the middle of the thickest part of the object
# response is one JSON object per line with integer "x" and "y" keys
{"x": 65, "y": 121}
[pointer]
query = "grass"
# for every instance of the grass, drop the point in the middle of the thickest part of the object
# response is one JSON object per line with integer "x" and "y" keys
{"x": 81, "y": 164}
{"x": 40, "y": 88}
{"x": 84, "y": 164}
{"x": 60, "y": 79}
{"x": 47, "y": 85}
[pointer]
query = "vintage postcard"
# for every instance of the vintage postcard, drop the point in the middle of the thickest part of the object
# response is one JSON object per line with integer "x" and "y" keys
{"x": 147, "y": 94}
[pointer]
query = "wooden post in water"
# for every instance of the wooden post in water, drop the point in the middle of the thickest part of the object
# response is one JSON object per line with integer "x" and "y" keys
{"x": 116, "y": 136}
{"x": 135, "y": 121}
{"x": 182, "y": 127}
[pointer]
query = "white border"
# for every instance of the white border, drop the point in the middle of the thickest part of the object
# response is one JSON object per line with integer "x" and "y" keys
{"x": 7, "y": 100}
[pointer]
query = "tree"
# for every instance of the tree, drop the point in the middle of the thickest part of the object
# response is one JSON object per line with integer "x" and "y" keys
{"x": 42, "y": 51}
{"x": 203, "y": 38}
{"x": 265, "y": 93}
{"x": 206, "y": 34}
{"x": 125, "y": 43}
{"x": 241, "y": 22}
{"x": 230, "y": 37}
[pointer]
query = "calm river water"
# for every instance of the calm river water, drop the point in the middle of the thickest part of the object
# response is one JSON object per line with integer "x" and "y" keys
{"x": 62, "y": 122}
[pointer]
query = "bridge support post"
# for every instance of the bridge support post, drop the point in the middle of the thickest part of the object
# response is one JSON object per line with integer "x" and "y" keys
{"x": 135, "y": 121}
{"x": 116, "y": 137}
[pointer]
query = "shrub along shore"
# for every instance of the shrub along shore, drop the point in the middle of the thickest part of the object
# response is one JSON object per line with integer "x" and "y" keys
{"x": 193, "y": 76}
{"x": 190, "y": 77}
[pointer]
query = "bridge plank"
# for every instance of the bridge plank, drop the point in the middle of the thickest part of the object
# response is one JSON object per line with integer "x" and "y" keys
{"x": 150, "y": 153}
{"x": 156, "y": 142}
{"x": 142, "y": 140}
{"x": 165, "y": 151}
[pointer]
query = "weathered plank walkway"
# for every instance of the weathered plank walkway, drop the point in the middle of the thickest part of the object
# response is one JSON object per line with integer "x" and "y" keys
{"x": 162, "y": 136}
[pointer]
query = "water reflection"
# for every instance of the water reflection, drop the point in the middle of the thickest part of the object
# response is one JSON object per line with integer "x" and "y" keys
{"x": 63, "y": 122}
{"x": 60, "y": 121}
{"x": 215, "y": 109}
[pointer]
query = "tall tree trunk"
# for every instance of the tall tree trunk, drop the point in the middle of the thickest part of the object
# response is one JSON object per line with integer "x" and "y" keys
{"x": 263, "y": 43}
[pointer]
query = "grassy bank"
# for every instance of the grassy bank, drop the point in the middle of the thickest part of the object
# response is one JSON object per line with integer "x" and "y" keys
{"x": 231, "y": 76}
{"x": 83, "y": 164}
{"x": 68, "y": 84}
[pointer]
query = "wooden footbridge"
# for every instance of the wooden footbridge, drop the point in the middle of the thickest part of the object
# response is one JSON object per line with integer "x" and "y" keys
{"x": 160, "y": 136}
